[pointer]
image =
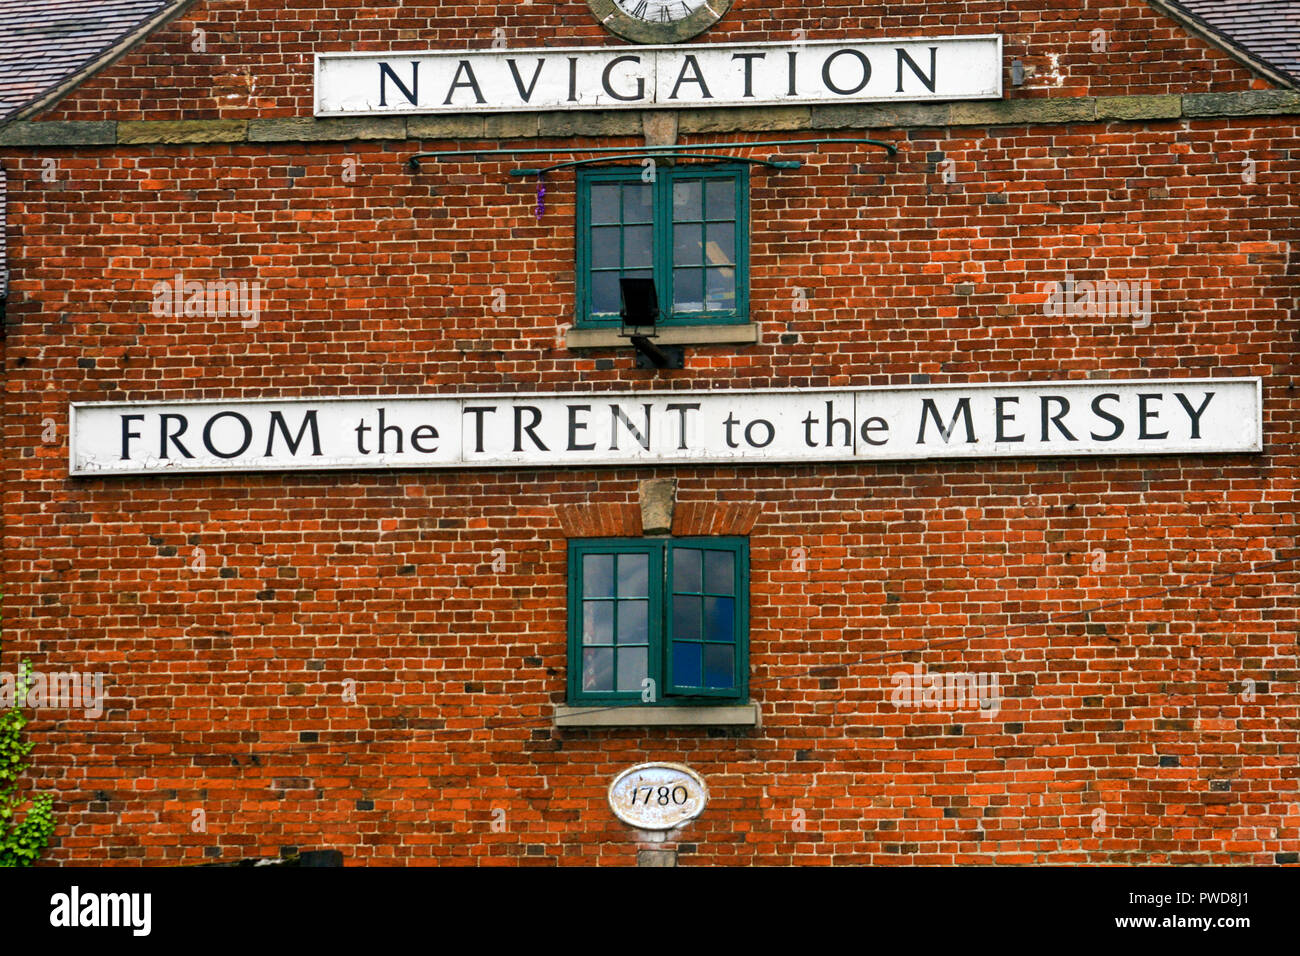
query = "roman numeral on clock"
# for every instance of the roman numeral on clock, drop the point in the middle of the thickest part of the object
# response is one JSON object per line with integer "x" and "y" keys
{"x": 641, "y": 9}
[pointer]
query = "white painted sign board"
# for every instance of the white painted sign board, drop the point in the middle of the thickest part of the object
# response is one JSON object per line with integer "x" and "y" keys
{"x": 1013, "y": 419}
{"x": 658, "y": 77}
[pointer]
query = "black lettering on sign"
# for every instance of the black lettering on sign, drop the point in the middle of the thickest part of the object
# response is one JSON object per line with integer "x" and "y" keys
{"x": 422, "y": 434}
{"x": 412, "y": 93}
{"x": 471, "y": 83}
{"x": 871, "y": 426}
{"x": 749, "y": 59}
{"x": 689, "y": 62}
{"x": 616, "y": 416}
{"x": 385, "y": 431}
{"x": 929, "y": 410}
{"x": 576, "y": 426}
{"x": 749, "y": 433}
{"x": 830, "y": 62}
{"x": 1002, "y": 418}
{"x": 1063, "y": 408}
{"x": 1102, "y": 413}
{"x": 1144, "y": 414}
{"x": 681, "y": 409}
{"x": 127, "y": 434}
{"x": 927, "y": 81}
{"x": 609, "y": 69}
{"x": 174, "y": 437}
{"x": 525, "y": 94}
{"x": 243, "y": 423}
{"x": 1194, "y": 415}
{"x": 832, "y": 422}
{"x": 530, "y": 429}
{"x": 478, "y": 411}
{"x": 308, "y": 421}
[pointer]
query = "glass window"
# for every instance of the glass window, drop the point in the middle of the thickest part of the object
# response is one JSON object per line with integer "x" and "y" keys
{"x": 687, "y": 229}
{"x": 658, "y": 621}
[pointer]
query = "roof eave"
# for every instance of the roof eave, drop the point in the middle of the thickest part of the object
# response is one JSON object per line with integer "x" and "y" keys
{"x": 1206, "y": 31}
{"x": 111, "y": 55}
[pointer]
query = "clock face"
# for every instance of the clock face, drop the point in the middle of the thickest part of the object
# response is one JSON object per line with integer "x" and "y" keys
{"x": 660, "y": 11}
{"x": 658, "y": 21}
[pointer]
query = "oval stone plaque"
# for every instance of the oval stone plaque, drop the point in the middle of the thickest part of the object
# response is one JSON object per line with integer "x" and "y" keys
{"x": 658, "y": 796}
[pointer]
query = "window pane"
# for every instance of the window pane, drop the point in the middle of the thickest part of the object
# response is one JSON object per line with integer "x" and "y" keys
{"x": 688, "y": 289}
{"x": 604, "y": 247}
{"x": 631, "y": 667}
{"x": 720, "y": 196}
{"x": 719, "y": 572}
{"x": 636, "y": 203}
{"x": 604, "y": 204}
{"x": 638, "y": 249}
{"x": 687, "y": 200}
{"x": 634, "y": 575}
{"x": 687, "y": 668}
{"x": 686, "y": 618}
{"x": 718, "y": 660}
{"x": 598, "y": 668}
{"x": 721, "y": 247}
{"x": 604, "y": 292}
{"x": 598, "y": 622}
{"x": 686, "y": 570}
{"x": 721, "y": 289}
{"x": 634, "y": 622}
{"x": 687, "y": 242}
{"x": 597, "y": 575}
{"x": 719, "y": 619}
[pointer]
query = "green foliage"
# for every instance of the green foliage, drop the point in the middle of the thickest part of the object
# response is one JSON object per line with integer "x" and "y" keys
{"x": 21, "y": 841}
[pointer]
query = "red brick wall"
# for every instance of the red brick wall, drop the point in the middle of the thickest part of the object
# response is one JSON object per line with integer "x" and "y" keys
{"x": 258, "y": 57}
{"x": 229, "y": 611}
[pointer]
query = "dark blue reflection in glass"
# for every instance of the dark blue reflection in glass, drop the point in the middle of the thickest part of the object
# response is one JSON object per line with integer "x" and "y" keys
{"x": 719, "y": 619}
{"x": 686, "y": 665}
{"x": 718, "y": 670}
{"x": 719, "y": 572}
{"x": 686, "y": 618}
{"x": 686, "y": 570}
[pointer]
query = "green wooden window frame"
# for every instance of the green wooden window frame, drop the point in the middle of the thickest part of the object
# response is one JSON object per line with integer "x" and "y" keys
{"x": 724, "y": 205}
{"x": 691, "y": 594}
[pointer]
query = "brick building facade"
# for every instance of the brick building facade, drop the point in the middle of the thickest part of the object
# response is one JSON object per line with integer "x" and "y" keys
{"x": 378, "y": 660}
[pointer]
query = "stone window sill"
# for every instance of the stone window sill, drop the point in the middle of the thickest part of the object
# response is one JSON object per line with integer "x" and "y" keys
{"x": 746, "y": 334}
{"x": 730, "y": 715}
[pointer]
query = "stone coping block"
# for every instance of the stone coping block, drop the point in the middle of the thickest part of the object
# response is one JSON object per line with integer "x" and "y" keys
{"x": 596, "y": 123}
{"x": 730, "y": 715}
{"x": 746, "y": 334}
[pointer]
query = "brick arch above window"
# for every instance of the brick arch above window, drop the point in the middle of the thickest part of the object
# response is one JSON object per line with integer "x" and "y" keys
{"x": 621, "y": 520}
